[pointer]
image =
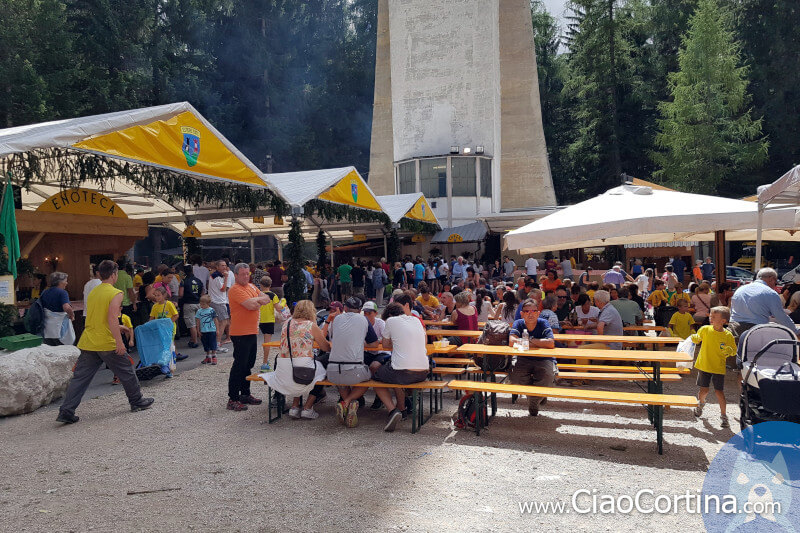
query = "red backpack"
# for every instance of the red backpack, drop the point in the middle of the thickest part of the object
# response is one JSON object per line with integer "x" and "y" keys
{"x": 465, "y": 417}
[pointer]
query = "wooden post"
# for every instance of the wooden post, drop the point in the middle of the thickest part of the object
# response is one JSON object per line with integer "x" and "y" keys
{"x": 719, "y": 255}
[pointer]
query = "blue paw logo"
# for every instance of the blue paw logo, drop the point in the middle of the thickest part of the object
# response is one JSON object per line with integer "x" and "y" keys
{"x": 755, "y": 478}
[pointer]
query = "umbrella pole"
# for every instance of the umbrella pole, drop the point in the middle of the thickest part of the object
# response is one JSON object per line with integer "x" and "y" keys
{"x": 719, "y": 255}
{"x": 757, "y": 262}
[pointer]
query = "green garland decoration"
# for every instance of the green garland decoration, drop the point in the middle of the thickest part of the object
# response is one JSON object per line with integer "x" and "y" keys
{"x": 192, "y": 247}
{"x": 393, "y": 247}
{"x": 3, "y": 257}
{"x": 322, "y": 254}
{"x": 329, "y": 211}
{"x": 417, "y": 226}
{"x": 293, "y": 289}
{"x": 8, "y": 314}
{"x": 73, "y": 168}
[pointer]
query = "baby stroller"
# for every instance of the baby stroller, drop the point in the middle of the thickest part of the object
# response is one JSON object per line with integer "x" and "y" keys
{"x": 768, "y": 359}
{"x": 156, "y": 349}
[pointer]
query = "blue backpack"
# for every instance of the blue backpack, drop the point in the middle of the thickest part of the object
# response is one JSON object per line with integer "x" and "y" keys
{"x": 34, "y": 318}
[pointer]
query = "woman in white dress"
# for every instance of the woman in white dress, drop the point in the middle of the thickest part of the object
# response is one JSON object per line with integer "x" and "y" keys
{"x": 300, "y": 332}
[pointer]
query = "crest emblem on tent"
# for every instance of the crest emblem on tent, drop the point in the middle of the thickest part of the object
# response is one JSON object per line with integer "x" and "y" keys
{"x": 354, "y": 190}
{"x": 423, "y": 209}
{"x": 191, "y": 145}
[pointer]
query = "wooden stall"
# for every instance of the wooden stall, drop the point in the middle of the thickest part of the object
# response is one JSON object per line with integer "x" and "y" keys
{"x": 74, "y": 228}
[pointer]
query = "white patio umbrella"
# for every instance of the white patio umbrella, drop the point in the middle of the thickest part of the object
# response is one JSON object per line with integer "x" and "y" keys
{"x": 784, "y": 192}
{"x": 632, "y": 213}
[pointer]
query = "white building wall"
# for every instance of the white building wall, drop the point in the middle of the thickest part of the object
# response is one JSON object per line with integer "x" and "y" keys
{"x": 445, "y": 77}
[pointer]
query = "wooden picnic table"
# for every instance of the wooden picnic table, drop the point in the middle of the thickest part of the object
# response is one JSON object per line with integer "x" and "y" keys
{"x": 446, "y": 323}
{"x": 624, "y": 339}
{"x": 579, "y": 353}
{"x": 652, "y": 358}
{"x": 645, "y": 327}
{"x": 567, "y": 337}
{"x": 430, "y": 347}
{"x": 655, "y": 358}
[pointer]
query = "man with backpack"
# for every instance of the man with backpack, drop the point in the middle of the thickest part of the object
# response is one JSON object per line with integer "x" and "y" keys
{"x": 539, "y": 371}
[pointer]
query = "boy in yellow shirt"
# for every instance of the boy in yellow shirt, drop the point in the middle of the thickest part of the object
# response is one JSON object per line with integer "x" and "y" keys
{"x": 266, "y": 316}
{"x": 658, "y": 295}
{"x": 680, "y": 296}
{"x": 716, "y": 344}
{"x": 680, "y": 325}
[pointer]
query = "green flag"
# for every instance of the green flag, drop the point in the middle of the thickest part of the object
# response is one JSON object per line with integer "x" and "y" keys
{"x": 8, "y": 227}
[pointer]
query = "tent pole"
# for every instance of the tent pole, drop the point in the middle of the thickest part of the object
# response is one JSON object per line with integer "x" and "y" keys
{"x": 759, "y": 229}
{"x": 719, "y": 256}
{"x": 385, "y": 246}
{"x": 280, "y": 249}
{"x": 252, "y": 249}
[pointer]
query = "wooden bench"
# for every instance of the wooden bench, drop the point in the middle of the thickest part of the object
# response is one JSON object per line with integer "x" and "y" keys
{"x": 453, "y": 361}
{"x": 430, "y": 347}
{"x": 417, "y": 407}
{"x": 577, "y": 367}
{"x": 620, "y": 368}
{"x": 654, "y": 402}
{"x": 614, "y": 376}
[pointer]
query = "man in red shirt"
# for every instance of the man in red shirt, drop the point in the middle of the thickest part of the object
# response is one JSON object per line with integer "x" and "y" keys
{"x": 245, "y": 300}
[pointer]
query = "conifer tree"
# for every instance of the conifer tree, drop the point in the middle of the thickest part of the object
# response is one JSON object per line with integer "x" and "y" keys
{"x": 706, "y": 132}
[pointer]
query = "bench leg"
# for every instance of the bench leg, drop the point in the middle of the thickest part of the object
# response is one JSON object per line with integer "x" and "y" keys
{"x": 480, "y": 401}
{"x": 280, "y": 402}
{"x": 659, "y": 417}
{"x": 415, "y": 419}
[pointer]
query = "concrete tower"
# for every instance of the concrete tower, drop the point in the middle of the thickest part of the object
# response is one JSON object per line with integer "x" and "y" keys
{"x": 457, "y": 112}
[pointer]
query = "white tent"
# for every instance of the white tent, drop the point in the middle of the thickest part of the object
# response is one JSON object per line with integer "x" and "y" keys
{"x": 784, "y": 192}
{"x": 153, "y": 136}
{"x": 631, "y": 213}
{"x": 413, "y": 206}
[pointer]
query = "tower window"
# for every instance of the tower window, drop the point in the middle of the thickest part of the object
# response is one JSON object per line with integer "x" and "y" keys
{"x": 407, "y": 179}
{"x": 433, "y": 177}
{"x": 463, "y": 175}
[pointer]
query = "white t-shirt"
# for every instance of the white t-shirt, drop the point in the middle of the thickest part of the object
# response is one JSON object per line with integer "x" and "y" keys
{"x": 443, "y": 268}
{"x": 566, "y": 267}
{"x": 215, "y": 289}
{"x": 594, "y": 312}
{"x": 348, "y": 332}
{"x": 378, "y": 328}
{"x": 409, "y": 350}
{"x": 201, "y": 273}
{"x": 91, "y": 284}
{"x": 643, "y": 282}
{"x": 531, "y": 266}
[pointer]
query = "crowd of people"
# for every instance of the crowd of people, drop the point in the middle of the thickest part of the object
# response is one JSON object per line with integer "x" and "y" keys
{"x": 221, "y": 304}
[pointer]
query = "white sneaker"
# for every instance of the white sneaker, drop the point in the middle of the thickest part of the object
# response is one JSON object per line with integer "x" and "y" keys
{"x": 309, "y": 414}
{"x": 294, "y": 412}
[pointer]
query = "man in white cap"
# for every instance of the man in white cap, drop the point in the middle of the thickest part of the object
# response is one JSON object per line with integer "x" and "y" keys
{"x": 375, "y": 358}
{"x": 614, "y": 276}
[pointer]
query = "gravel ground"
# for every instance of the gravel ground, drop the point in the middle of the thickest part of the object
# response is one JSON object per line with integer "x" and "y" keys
{"x": 234, "y": 472}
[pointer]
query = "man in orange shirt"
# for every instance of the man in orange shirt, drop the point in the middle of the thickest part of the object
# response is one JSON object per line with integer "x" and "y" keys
{"x": 245, "y": 301}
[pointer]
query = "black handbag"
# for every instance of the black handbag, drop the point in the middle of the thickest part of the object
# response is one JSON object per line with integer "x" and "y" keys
{"x": 300, "y": 375}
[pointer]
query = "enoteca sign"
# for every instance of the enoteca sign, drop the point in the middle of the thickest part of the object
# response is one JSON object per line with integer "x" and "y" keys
{"x": 82, "y": 202}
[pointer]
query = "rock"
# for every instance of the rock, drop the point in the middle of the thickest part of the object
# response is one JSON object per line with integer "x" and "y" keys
{"x": 33, "y": 377}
